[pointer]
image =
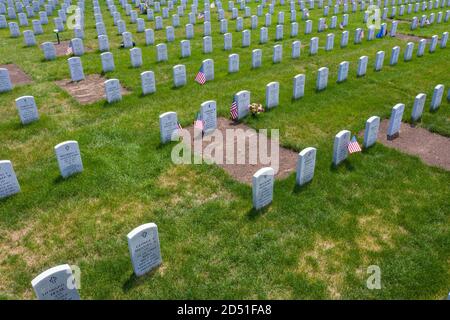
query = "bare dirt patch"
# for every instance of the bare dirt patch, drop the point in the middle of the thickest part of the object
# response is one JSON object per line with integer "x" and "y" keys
{"x": 87, "y": 91}
{"x": 16, "y": 74}
{"x": 432, "y": 148}
{"x": 61, "y": 49}
{"x": 244, "y": 172}
{"x": 411, "y": 37}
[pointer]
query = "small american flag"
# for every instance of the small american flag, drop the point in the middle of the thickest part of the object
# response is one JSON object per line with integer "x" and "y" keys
{"x": 200, "y": 15}
{"x": 69, "y": 50}
{"x": 353, "y": 146}
{"x": 200, "y": 77}
{"x": 234, "y": 111}
{"x": 198, "y": 123}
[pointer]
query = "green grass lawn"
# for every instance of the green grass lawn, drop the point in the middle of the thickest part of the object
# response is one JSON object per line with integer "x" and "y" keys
{"x": 381, "y": 207}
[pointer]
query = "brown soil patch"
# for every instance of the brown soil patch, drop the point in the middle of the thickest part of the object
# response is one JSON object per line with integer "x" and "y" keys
{"x": 16, "y": 74}
{"x": 87, "y": 91}
{"x": 432, "y": 148}
{"x": 61, "y": 49}
{"x": 399, "y": 20}
{"x": 245, "y": 172}
{"x": 411, "y": 37}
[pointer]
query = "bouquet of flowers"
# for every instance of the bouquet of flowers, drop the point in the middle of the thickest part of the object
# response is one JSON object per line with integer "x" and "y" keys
{"x": 255, "y": 109}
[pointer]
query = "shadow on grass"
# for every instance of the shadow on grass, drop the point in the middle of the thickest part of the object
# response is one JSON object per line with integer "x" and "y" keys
{"x": 299, "y": 189}
{"x": 346, "y": 164}
{"x": 59, "y": 179}
{"x": 253, "y": 214}
{"x": 133, "y": 281}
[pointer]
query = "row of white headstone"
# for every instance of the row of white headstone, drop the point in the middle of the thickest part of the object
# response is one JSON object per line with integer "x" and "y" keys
{"x": 113, "y": 92}
{"x": 263, "y": 179}
{"x": 60, "y": 282}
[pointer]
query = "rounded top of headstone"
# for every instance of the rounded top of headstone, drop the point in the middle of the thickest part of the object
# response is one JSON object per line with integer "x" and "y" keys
{"x": 140, "y": 229}
{"x": 49, "y": 272}
{"x": 208, "y": 103}
{"x": 307, "y": 150}
{"x": 111, "y": 81}
{"x": 24, "y": 97}
{"x": 243, "y": 92}
{"x": 264, "y": 172}
{"x": 74, "y": 59}
{"x": 399, "y": 106}
{"x": 65, "y": 143}
{"x": 169, "y": 113}
{"x": 5, "y": 162}
{"x": 373, "y": 118}
{"x": 343, "y": 133}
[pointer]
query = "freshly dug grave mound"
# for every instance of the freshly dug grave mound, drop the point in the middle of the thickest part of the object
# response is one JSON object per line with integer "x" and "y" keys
{"x": 16, "y": 74}
{"x": 244, "y": 172}
{"x": 87, "y": 91}
{"x": 432, "y": 148}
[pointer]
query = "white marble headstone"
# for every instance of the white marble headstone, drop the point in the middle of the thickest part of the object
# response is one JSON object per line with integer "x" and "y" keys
{"x": 263, "y": 181}
{"x": 343, "y": 71}
{"x": 168, "y": 126}
{"x": 77, "y": 47}
{"x": 179, "y": 75}
{"x": 107, "y": 62}
{"x": 136, "y": 57}
{"x": 227, "y": 41}
{"x": 69, "y": 158}
{"x": 208, "y": 113}
{"x": 322, "y": 78}
{"x": 161, "y": 52}
{"x": 233, "y": 63}
{"x": 436, "y": 99}
{"x": 394, "y": 55}
{"x": 296, "y": 47}
{"x": 305, "y": 165}
{"x": 395, "y": 121}
{"x": 149, "y": 37}
{"x": 27, "y": 109}
{"x": 29, "y": 38}
{"x": 313, "y": 45}
{"x": 299, "y": 86}
{"x": 57, "y": 283}
{"x": 76, "y": 69}
{"x": 419, "y": 103}
{"x": 263, "y": 35}
{"x": 362, "y": 66}
{"x": 145, "y": 252}
{"x": 344, "y": 39}
{"x": 379, "y": 59}
{"x": 207, "y": 44}
{"x": 371, "y": 131}
{"x": 185, "y": 46}
{"x": 272, "y": 94}
{"x": 340, "y": 151}
{"x": 148, "y": 82}
{"x": 49, "y": 50}
{"x": 8, "y": 180}
{"x": 208, "y": 69}
{"x": 242, "y": 99}
{"x": 256, "y": 58}
{"x": 113, "y": 90}
{"x": 409, "y": 51}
